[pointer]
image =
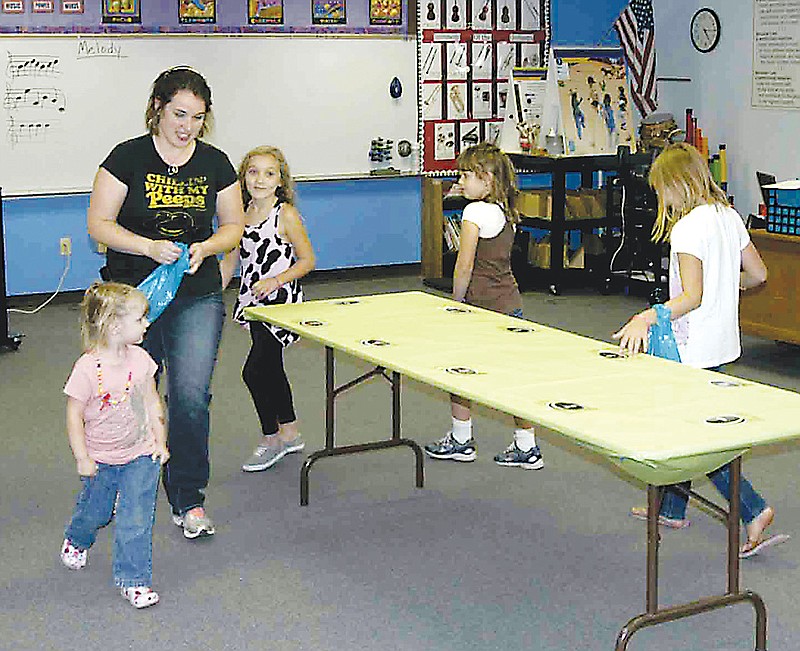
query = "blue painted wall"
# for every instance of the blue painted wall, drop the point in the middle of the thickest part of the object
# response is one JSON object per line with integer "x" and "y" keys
{"x": 351, "y": 223}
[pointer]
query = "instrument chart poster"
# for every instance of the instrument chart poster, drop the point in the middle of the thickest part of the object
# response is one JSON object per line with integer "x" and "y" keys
{"x": 468, "y": 49}
{"x": 265, "y": 12}
{"x": 197, "y": 11}
{"x": 122, "y": 11}
{"x": 385, "y": 12}
{"x": 776, "y": 54}
{"x": 328, "y": 12}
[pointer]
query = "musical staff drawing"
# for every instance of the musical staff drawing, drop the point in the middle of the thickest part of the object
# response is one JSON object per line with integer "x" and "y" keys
{"x": 32, "y": 65}
{"x": 29, "y": 130}
{"x": 35, "y": 98}
{"x": 33, "y": 111}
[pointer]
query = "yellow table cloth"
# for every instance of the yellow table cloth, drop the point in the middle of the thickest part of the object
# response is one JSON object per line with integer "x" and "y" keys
{"x": 659, "y": 421}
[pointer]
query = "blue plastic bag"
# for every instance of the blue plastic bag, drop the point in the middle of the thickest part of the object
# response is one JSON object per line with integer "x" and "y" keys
{"x": 162, "y": 284}
{"x": 661, "y": 341}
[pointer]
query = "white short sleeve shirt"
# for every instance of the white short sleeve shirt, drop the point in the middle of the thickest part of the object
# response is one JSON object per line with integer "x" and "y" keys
{"x": 709, "y": 335}
{"x": 488, "y": 217}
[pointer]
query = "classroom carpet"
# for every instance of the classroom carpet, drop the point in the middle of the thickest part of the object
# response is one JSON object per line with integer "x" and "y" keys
{"x": 482, "y": 558}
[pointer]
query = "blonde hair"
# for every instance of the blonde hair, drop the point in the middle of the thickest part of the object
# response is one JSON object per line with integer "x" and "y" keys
{"x": 682, "y": 182}
{"x": 488, "y": 161}
{"x": 103, "y": 303}
{"x": 164, "y": 88}
{"x": 285, "y": 190}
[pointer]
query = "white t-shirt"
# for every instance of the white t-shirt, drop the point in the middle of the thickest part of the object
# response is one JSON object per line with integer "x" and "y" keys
{"x": 488, "y": 217}
{"x": 709, "y": 335}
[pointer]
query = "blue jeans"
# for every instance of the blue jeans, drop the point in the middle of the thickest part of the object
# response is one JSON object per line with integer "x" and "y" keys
{"x": 673, "y": 504}
{"x": 136, "y": 482}
{"x": 184, "y": 341}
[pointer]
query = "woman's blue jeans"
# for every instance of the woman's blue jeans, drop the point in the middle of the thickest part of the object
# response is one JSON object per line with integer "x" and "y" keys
{"x": 184, "y": 342}
{"x": 136, "y": 482}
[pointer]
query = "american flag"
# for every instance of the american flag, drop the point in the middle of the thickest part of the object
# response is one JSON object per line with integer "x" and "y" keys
{"x": 636, "y": 34}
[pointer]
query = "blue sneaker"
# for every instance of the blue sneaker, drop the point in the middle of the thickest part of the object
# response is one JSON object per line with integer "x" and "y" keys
{"x": 514, "y": 457}
{"x": 448, "y": 448}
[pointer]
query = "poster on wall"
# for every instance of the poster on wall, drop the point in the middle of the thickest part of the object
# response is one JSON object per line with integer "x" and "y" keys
{"x": 197, "y": 11}
{"x": 522, "y": 123}
{"x": 122, "y": 11}
{"x": 776, "y": 42}
{"x": 468, "y": 49}
{"x": 265, "y": 12}
{"x": 593, "y": 93}
{"x": 385, "y": 12}
{"x": 328, "y": 12}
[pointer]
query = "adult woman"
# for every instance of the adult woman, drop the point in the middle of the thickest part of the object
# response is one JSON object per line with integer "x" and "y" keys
{"x": 149, "y": 193}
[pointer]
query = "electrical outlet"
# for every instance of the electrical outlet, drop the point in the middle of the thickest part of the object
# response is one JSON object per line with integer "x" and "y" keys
{"x": 65, "y": 243}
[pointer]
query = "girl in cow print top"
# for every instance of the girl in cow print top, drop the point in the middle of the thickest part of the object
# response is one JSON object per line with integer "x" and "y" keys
{"x": 275, "y": 253}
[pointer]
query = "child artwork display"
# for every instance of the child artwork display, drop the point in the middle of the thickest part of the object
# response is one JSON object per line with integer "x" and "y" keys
{"x": 265, "y": 12}
{"x": 197, "y": 11}
{"x": 122, "y": 11}
{"x": 596, "y": 112}
{"x": 328, "y": 12}
{"x": 385, "y": 12}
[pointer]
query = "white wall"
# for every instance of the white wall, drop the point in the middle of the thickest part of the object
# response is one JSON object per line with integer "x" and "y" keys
{"x": 719, "y": 93}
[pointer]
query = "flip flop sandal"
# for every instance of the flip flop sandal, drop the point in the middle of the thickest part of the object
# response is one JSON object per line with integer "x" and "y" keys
{"x": 140, "y": 597}
{"x": 752, "y": 548}
{"x": 640, "y": 513}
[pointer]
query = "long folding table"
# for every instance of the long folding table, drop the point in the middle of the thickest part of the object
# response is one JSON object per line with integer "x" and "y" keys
{"x": 658, "y": 421}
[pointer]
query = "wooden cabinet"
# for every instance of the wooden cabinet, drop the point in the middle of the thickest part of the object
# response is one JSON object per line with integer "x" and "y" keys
{"x": 773, "y": 310}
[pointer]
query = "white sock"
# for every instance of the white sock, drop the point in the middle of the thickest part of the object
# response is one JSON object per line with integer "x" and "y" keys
{"x": 462, "y": 430}
{"x": 525, "y": 439}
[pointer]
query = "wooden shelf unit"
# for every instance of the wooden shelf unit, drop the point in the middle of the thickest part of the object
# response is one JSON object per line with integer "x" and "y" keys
{"x": 434, "y": 205}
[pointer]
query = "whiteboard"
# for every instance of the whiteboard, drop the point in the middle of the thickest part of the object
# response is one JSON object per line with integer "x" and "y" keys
{"x": 69, "y": 99}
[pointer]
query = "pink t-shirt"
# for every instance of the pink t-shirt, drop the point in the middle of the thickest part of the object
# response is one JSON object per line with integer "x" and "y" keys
{"x": 116, "y": 419}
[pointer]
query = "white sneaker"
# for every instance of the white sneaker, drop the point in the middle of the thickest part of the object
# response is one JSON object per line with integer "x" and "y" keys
{"x": 140, "y": 597}
{"x": 195, "y": 523}
{"x": 72, "y": 557}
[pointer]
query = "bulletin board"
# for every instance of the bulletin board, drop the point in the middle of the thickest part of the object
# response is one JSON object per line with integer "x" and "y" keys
{"x": 204, "y": 16}
{"x": 69, "y": 99}
{"x": 467, "y": 50}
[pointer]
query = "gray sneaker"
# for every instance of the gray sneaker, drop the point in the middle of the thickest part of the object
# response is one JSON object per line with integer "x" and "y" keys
{"x": 295, "y": 445}
{"x": 195, "y": 523}
{"x": 266, "y": 455}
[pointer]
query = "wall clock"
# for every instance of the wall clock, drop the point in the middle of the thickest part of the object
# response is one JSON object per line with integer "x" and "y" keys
{"x": 705, "y": 30}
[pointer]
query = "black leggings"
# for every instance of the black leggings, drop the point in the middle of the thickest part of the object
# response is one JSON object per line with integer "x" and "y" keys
{"x": 265, "y": 377}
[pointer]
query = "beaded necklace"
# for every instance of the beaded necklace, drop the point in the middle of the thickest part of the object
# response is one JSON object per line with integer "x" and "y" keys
{"x": 105, "y": 396}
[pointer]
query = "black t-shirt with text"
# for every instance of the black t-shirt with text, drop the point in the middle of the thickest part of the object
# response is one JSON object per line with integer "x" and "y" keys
{"x": 162, "y": 206}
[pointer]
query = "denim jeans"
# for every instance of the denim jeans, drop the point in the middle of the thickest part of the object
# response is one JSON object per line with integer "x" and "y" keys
{"x": 184, "y": 341}
{"x": 673, "y": 504}
{"x": 136, "y": 482}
